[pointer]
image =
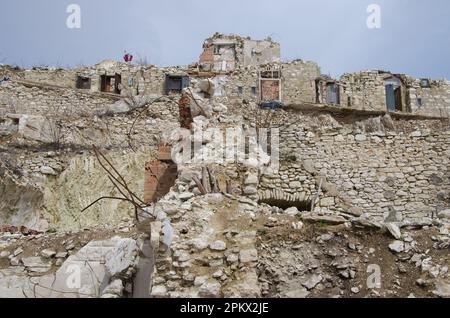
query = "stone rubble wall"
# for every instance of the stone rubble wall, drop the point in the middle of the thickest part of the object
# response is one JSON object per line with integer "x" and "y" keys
{"x": 18, "y": 98}
{"x": 298, "y": 82}
{"x": 407, "y": 172}
{"x": 364, "y": 90}
{"x": 435, "y": 99}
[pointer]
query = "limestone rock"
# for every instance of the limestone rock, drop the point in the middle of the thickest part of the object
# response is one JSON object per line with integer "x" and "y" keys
{"x": 394, "y": 230}
{"x": 297, "y": 293}
{"x": 397, "y": 246}
{"x": 159, "y": 291}
{"x": 248, "y": 256}
{"x": 366, "y": 222}
{"x": 210, "y": 289}
{"x": 247, "y": 286}
{"x": 311, "y": 281}
{"x": 444, "y": 214}
{"x": 47, "y": 253}
{"x": 100, "y": 259}
{"x": 327, "y": 202}
{"x": 36, "y": 264}
{"x": 218, "y": 246}
{"x": 48, "y": 171}
{"x": 292, "y": 211}
{"x": 122, "y": 256}
{"x": 186, "y": 196}
{"x": 442, "y": 289}
{"x": 329, "y": 219}
{"x": 114, "y": 289}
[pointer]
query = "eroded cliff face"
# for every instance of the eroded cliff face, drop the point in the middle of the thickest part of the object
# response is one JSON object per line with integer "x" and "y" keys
{"x": 52, "y": 200}
{"x": 21, "y": 202}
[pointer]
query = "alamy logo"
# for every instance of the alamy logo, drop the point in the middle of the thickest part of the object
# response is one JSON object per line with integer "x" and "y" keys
{"x": 73, "y": 280}
{"x": 374, "y": 19}
{"x": 374, "y": 279}
{"x": 74, "y": 19}
{"x": 254, "y": 147}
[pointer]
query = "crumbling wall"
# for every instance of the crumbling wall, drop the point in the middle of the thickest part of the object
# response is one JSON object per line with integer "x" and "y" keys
{"x": 226, "y": 53}
{"x": 243, "y": 85}
{"x": 375, "y": 171}
{"x": 364, "y": 91}
{"x": 42, "y": 75}
{"x": 48, "y": 101}
{"x": 367, "y": 91}
{"x": 298, "y": 82}
{"x": 51, "y": 76}
{"x": 261, "y": 52}
{"x": 432, "y": 100}
{"x": 135, "y": 79}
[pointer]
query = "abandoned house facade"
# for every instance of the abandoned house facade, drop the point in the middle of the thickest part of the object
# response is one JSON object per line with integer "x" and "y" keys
{"x": 251, "y": 70}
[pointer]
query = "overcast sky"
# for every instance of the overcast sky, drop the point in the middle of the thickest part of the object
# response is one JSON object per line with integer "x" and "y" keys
{"x": 414, "y": 37}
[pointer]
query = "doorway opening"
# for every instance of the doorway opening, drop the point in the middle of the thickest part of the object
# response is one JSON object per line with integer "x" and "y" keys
{"x": 333, "y": 94}
{"x": 304, "y": 205}
{"x": 394, "y": 98}
{"x": 110, "y": 83}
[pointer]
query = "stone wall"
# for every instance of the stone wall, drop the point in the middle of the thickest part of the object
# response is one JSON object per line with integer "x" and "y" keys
{"x": 227, "y": 53}
{"x": 298, "y": 82}
{"x": 378, "y": 172}
{"x": 434, "y": 100}
{"x": 41, "y": 75}
{"x": 20, "y": 98}
{"x": 364, "y": 91}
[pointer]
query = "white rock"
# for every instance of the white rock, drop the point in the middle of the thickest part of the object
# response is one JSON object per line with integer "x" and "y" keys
{"x": 355, "y": 290}
{"x": 99, "y": 259}
{"x": 18, "y": 252}
{"x": 186, "y": 196}
{"x": 47, "y": 253}
{"x": 442, "y": 289}
{"x": 394, "y": 229}
{"x": 200, "y": 280}
{"x": 48, "y": 171}
{"x": 397, "y": 246}
{"x": 61, "y": 255}
{"x": 297, "y": 225}
{"x": 251, "y": 180}
{"x": 292, "y": 211}
{"x": 233, "y": 258}
{"x": 122, "y": 257}
{"x": 14, "y": 261}
{"x": 249, "y": 190}
{"x": 297, "y": 293}
{"x": 159, "y": 291}
{"x": 311, "y": 281}
{"x": 248, "y": 256}
{"x": 210, "y": 289}
{"x": 444, "y": 214}
{"x": 218, "y": 246}
{"x": 36, "y": 264}
{"x": 360, "y": 138}
{"x": 115, "y": 288}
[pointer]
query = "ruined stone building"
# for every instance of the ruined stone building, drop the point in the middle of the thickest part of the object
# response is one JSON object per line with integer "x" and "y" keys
{"x": 246, "y": 69}
{"x": 363, "y": 178}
